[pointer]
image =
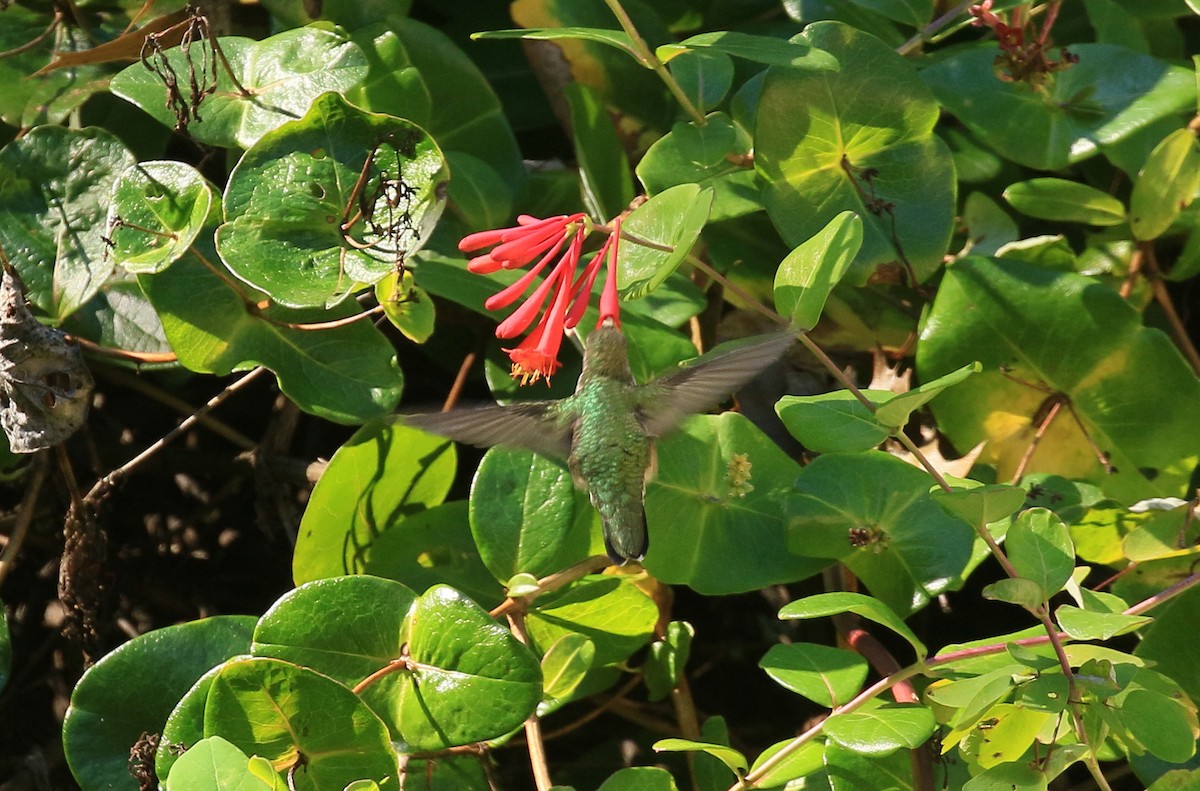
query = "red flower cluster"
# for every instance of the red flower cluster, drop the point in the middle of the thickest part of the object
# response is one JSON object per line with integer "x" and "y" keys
{"x": 537, "y": 356}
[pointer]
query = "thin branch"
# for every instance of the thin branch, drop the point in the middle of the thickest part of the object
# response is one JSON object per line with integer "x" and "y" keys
{"x": 651, "y": 60}
{"x": 179, "y": 405}
{"x": 533, "y": 727}
{"x": 320, "y": 325}
{"x": 124, "y": 354}
{"x": 927, "y": 32}
{"x": 460, "y": 381}
{"x": 554, "y": 582}
{"x": 37, "y": 476}
{"x": 1182, "y": 339}
{"x": 108, "y": 480}
{"x": 54, "y": 23}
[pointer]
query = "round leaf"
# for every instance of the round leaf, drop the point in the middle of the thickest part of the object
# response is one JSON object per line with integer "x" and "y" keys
{"x": 829, "y": 142}
{"x": 711, "y": 526}
{"x": 1160, "y": 723}
{"x": 471, "y": 679}
{"x": 338, "y": 197}
{"x": 54, "y": 194}
{"x": 158, "y": 209}
{"x": 109, "y": 713}
{"x": 1019, "y": 321}
{"x": 1040, "y": 549}
{"x": 345, "y": 628}
{"x": 525, "y": 515}
{"x": 214, "y": 764}
{"x": 385, "y": 472}
{"x": 874, "y": 513}
{"x": 809, "y": 273}
{"x": 281, "y": 74}
{"x": 565, "y": 664}
{"x": 295, "y": 717}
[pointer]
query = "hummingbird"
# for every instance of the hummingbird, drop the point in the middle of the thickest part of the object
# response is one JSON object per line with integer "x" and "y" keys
{"x": 607, "y": 429}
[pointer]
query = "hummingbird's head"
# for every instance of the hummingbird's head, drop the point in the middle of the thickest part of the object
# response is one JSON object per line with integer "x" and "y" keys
{"x": 607, "y": 352}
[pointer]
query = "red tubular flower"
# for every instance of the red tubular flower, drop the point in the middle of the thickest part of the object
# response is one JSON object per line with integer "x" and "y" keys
{"x": 536, "y": 357}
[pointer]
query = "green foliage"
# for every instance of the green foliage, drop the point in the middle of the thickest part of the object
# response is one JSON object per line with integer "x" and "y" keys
{"x": 1006, "y": 226}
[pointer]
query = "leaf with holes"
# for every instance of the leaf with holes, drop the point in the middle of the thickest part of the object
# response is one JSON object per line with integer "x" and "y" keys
{"x": 336, "y": 198}
{"x": 158, "y": 209}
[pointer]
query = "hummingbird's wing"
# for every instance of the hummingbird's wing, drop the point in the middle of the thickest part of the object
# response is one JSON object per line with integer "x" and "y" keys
{"x": 708, "y": 380}
{"x": 534, "y": 425}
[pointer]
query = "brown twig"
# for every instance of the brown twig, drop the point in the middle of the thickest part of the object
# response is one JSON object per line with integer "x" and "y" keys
{"x": 39, "y": 466}
{"x": 1154, "y": 274}
{"x": 460, "y": 381}
{"x": 147, "y": 358}
{"x": 533, "y": 727}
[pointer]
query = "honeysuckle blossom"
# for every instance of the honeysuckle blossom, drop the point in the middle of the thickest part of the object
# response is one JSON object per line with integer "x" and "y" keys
{"x": 536, "y": 356}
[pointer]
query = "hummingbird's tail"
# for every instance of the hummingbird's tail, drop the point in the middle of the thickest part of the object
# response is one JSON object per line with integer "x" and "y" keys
{"x": 626, "y": 545}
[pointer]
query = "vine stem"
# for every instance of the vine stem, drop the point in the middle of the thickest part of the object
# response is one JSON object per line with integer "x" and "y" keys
{"x": 553, "y": 582}
{"x": 651, "y": 61}
{"x": 1153, "y": 273}
{"x": 108, "y": 480}
{"x": 533, "y": 726}
{"x": 933, "y": 27}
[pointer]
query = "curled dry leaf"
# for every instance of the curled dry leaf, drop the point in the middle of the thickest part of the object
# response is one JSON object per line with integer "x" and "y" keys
{"x": 45, "y": 388}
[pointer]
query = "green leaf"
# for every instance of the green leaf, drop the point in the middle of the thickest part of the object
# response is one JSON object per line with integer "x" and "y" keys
{"x": 806, "y": 760}
{"x": 809, "y": 273}
{"x": 713, "y": 155}
{"x": 671, "y": 219}
{"x": 185, "y": 724}
{"x": 668, "y": 657}
{"x": 879, "y": 730}
{"x": 829, "y": 142}
{"x": 214, "y": 764}
{"x": 1019, "y": 591}
{"x": 1172, "y": 641}
{"x": 1039, "y": 547}
{"x": 1108, "y": 94}
{"x": 1014, "y": 776}
{"x": 1166, "y": 184}
{"x": 1065, "y": 201}
{"x": 1020, "y": 321}
{"x": 302, "y": 222}
{"x": 795, "y": 53}
{"x": 120, "y": 317}
{"x": 1176, "y": 780}
{"x": 727, "y": 755}
{"x": 824, "y": 675}
{"x": 525, "y": 515}
{"x": 1159, "y": 533}
{"x": 708, "y": 529}
{"x": 432, "y": 546}
{"x": 896, "y": 411}
{"x": 988, "y": 227}
{"x": 834, "y": 422}
{"x": 705, "y": 76}
{"x": 347, "y": 374}
{"x": 471, "y": 679}
{"x": 1011, "y": 731}
{"x": 282, "y": 75}
{"x": 981, "y": 505}
{"x": 293, "y": 716}
{"x": 1160, "y": 723}
{"x": 54, "y": 193}
{"x": 157, "y": 210}
{"x": 108, "y": 713}
{"x": 406, "y": 305}
{"x": 640, "y": 778}
{"x": 345, "y": 628}
{"x": 609, "y": 38}
{"x": 1088, "y": 625}
{"x": 565, "y": 664}
{"x": 383, "y": 474}
{"x": 603, "y": 167}
{"x": 613, "y": 613}
{"x": 824, "y": 604}
{"x": 874, "y": 513}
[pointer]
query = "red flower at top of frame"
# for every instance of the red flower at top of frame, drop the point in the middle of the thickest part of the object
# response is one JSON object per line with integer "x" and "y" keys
{"x": 536, "y": 357}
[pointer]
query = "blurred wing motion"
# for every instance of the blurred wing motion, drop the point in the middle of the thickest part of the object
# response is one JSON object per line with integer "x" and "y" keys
{"x": 708, "y": 380}
{"x": 533, "y": 425}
